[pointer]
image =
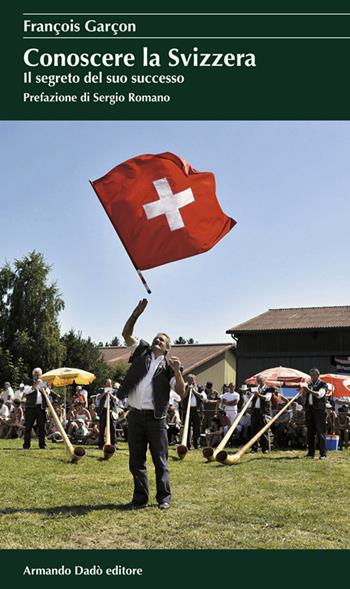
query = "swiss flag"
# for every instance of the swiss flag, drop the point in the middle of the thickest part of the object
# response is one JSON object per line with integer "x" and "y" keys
{"x": 162, "y": 209}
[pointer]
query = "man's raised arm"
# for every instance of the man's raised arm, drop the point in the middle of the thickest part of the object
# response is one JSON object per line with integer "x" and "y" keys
{"x": 129, "y": 325}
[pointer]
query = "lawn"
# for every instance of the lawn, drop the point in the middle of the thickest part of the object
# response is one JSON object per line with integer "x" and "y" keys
{"x": 279, "y": 500}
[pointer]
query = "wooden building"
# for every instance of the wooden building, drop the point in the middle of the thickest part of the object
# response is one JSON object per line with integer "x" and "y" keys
{"x": 209, "y": 362}
{"x": 299, "y": 338}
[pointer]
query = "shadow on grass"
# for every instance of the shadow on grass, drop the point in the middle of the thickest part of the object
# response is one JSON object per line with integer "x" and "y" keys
{"x": 67, "y": 510}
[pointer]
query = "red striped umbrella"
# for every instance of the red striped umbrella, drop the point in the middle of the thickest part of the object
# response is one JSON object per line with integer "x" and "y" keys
{"x": 280, "y": 376}
{"x": 341, "y": 383}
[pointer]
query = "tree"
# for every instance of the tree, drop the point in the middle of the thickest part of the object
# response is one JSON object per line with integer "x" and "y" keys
{"x": 180, "y": 340}
{"x": 29, "y": 310}
{"x": 115, "y": 341}
{"x": 84, "y": 353}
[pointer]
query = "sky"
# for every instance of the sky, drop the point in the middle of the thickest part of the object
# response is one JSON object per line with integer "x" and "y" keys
{"x": 287, "y": 184}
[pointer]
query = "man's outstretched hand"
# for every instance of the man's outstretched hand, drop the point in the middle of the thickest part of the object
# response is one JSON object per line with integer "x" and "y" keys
{"x": 175, "y": 363}
{"x": 140, "y": 307}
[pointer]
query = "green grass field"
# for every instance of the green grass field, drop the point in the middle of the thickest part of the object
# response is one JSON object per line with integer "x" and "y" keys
{"x": 276, "y": 501}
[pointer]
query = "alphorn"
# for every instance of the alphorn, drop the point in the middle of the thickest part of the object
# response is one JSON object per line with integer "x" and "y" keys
{"x": 182, "y": 448}
{"x": 108, "y": 448}
{"x": 225, "y": 458}
{"x": 211, "y": 453}
{"x": 75, "y": 453}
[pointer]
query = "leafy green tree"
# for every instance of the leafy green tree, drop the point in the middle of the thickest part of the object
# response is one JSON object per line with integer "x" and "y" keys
{"x": 11, "y": 370}
{"x": 29, "y": 310}
{"x": 84, "y": 353}
{"x": 180, "y": 340}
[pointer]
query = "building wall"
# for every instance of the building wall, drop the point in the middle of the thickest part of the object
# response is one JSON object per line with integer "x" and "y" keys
{"x": 219, "y": 371}
{"x": 300, "y": 350}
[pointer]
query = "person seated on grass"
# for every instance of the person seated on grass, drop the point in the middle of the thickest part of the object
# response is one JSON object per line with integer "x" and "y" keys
{"x": 15, "y": 423}
{"x": 224, "y": 420}
{"x": 7, "y": 393}
{"x": 244, "y": 427}
{"x": 4, "y": 417}
{"x": 214, "y": 433}
{"x": 92, "y": 411}
{"x": 173, "y": 424}
{"x": 280, "y": 429}
{"x": 297, "y": 428}
{"x": 79, "y": 432}
{"x": 330, "y": 419}
{"x": 342, "y": 427}
{"x": 52, "y": 432}
{"x": 79, "y": 412}
{"x": 94, "y": 432}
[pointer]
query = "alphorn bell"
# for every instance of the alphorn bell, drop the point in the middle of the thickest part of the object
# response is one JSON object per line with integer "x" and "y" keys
{"x": 225, "y": 458}
{"x": 108, "y": 448}
{"x": 75, "y": 453}
{"x": 211, "y": 453}
{"x": 182, "y": 448}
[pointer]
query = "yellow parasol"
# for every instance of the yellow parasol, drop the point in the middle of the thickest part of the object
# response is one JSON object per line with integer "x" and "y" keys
{"x": 61, "y": 377}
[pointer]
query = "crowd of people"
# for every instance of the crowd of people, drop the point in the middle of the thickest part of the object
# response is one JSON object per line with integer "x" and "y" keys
{"x": 211, "y": 414}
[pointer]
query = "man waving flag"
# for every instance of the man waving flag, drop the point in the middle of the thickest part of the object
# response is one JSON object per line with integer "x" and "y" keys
{"x": 162, "y": 209}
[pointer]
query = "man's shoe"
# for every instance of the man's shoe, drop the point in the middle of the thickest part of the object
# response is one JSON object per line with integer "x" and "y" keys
{"x": 323, "y": 457}
{"x": 266, "y": 451}
{"x": 42, "y": 447}
{"x": 133, "y": 505}
{"x": 164, "y": 505}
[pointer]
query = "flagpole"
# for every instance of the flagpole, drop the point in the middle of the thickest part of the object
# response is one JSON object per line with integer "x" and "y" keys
{"x": 140, "y": 275}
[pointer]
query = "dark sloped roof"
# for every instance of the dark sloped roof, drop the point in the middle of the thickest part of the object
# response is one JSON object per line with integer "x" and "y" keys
{"x": 191, "y": 355}
{"x": 299, "y": 318}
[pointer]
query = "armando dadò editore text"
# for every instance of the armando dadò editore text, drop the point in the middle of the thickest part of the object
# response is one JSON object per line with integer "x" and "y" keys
{"x": 79, "y": 570}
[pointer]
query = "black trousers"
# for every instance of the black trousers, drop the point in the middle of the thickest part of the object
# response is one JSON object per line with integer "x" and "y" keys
{"x": 32, "y": 415}
{"x": 257, "y": 423}
{"x": 102, "y": 427}
{"x": 145, "y": 431}
{"x": 195, "y": 422}
{"x": 316, "y": 428}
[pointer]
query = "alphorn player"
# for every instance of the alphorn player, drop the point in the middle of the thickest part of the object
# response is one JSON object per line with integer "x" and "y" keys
{"x": 35, "y": 410}
{"x": 147, "y": 385}
{"x": 261, "y": 413}
{"x": 315, "y": 412}
{"x": 108, "y": 390}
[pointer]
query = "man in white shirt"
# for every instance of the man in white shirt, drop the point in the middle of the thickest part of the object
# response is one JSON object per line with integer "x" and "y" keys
{"x": 35, "y": 410}
{"x": 147, "y": 385}
{"x": 19, "y": 392}
{"x": 7, "y": 394}
{"x": 229, "y": 402}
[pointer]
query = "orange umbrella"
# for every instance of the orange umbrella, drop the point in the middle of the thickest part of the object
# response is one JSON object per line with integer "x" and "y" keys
{"x": 341, "y": 383}
{"x": 280, "y": 376}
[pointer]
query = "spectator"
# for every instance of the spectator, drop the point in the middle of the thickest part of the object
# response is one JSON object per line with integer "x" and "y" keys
{"x": 19, "y": 392}
{"x": 173, "y": 424}
{"x": 210, "y": 405}
{"x": 343, "y": 426}
{"x": 79, "y": 432}
{"x": 16, "y": 420}
{"x": 7, "y": 394}
{"x": 214, "y": 433}
{"x": 229, "y": 402}
{"x": 4, "y": 417}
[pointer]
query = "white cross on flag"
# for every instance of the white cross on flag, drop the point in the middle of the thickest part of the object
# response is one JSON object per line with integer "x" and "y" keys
{"x": 162, "y": 209}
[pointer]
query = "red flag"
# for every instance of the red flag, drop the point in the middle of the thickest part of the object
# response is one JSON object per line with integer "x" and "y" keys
{"x": 162, "y": 209}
